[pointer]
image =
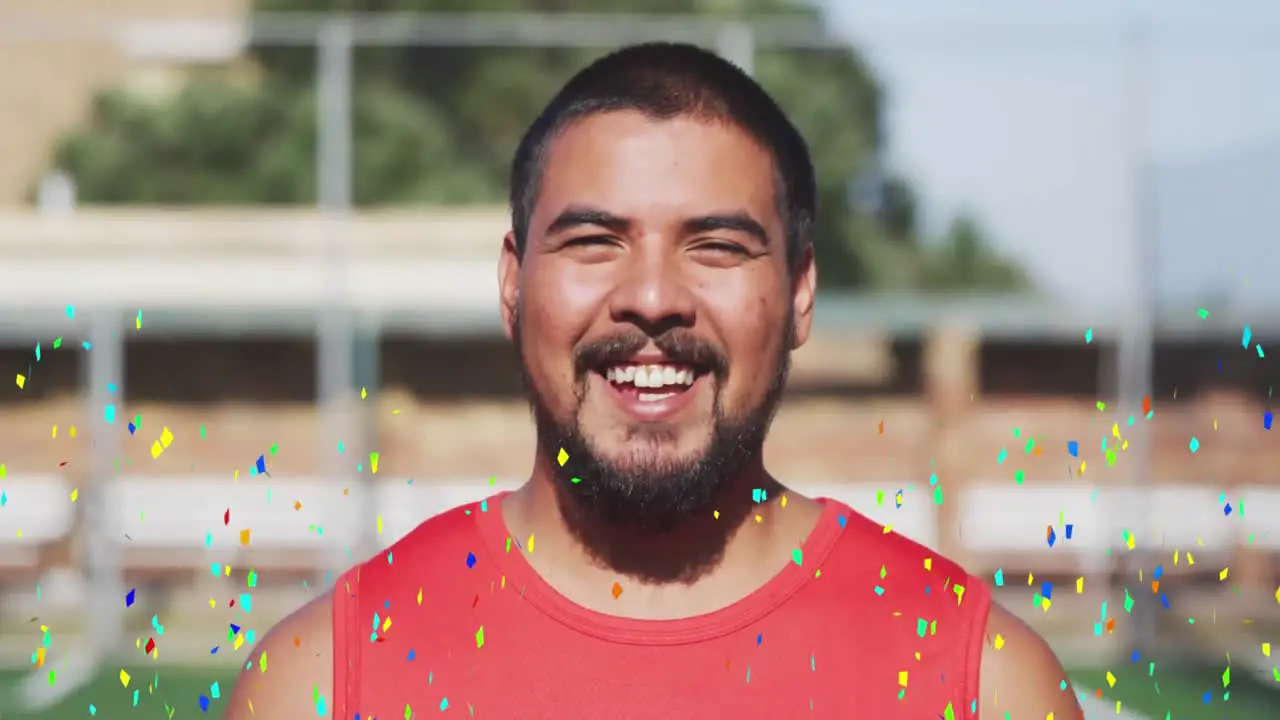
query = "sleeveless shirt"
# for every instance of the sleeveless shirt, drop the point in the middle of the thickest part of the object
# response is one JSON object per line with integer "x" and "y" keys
{"x": 452, "y": 620}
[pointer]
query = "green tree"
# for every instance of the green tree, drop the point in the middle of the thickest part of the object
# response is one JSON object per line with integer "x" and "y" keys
{"x": 439, "y": 125}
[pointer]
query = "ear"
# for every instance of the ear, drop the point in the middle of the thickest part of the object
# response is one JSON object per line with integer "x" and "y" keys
{"x": 804, "y": 286}
{"x": 509, "y": 283}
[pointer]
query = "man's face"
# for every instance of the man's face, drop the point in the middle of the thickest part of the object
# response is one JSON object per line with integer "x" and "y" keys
{"x": 654, "y": 311}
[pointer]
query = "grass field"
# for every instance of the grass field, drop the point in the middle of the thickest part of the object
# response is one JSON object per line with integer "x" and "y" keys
{"x": 1177, "y": 691}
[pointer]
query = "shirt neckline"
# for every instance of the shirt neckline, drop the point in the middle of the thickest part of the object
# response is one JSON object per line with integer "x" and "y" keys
{"x": 611, "y": 628}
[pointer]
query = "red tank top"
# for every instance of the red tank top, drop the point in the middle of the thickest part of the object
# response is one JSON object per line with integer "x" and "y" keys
{"x": 453, "y": 619}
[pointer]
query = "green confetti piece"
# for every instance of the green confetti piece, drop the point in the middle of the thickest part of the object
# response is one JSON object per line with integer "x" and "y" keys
{"x": 797, "y": 556}
{"x": 937, "y": 496}
{"x": 480, "y": 637}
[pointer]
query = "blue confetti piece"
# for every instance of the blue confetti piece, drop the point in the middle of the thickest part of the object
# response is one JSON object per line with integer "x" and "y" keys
{"x": 1053, "y": 537}
{"x": 1226, "y": 510}
{"x": 1266, "y": 420}
{"x": 1134, "y": 657}
{"x": 261, "y": 465}
{"x": 132, "y": 428}
{"x": 412, "y": 654}
{"x": 235, "y": 629}
{"x": 842, "y": 520}
{"x": 1164, "y": 600}
{"x": 204, "y": 704}
{"x": 1158, "y": 572}
{"x": 128, "y": 599}
{"x": 471, "y": 560}
{"x": 1070, "y": 528}
{"x": 1046, "y": 590}
{"x": 1208, "y": 695}
{"x": 1073, "y": 447}
{"x": 759, "y": 639}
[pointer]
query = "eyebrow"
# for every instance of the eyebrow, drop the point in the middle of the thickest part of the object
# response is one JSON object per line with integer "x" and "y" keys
{"x": 736, "y": 221}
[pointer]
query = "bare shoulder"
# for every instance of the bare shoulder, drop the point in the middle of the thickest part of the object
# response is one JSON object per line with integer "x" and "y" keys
{"x": 291, "y": 663}
{"x": 1021, "y": 677}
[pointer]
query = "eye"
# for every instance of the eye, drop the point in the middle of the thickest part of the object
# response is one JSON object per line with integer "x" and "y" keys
{"x": 721, "y": 247}
{"x": 588, "y": 241}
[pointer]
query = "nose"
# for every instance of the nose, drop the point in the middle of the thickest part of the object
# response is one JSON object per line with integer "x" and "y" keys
{"x": 653, "y": 294}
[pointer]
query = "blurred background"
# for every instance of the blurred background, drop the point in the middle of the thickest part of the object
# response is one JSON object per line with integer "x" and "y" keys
{"x": 248, "y": 310}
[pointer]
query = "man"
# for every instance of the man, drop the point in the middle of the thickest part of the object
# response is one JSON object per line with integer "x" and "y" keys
{"x": 657, "y": 276}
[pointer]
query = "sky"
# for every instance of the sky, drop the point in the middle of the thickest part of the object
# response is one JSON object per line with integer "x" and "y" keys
{"x": 1035, "y": 118}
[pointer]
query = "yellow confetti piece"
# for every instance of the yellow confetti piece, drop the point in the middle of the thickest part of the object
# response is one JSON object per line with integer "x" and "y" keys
{"x": 40, "y": 657}
{"x": 1079, "y": 586}
{"x": 561, "y": 458}
{"x": 1266, "y": 649}
{"x": 1111, "y": 679}
{"x": 54, "y": 433}
{"x": 999, "y": 642}
{"x": 716, "y": 514}
{"x": 902, "y": 678}
{"x": 75, "y": 493}
{"x": 124, "y": 678}
{"x": 166, "y": 438}
{"x": 364, "y": 393}
{"x": 72, "y": 430}
{"x": 244, "y": 537}
{"x": 156, "y": 449}
{"x": 386, "y": 624}
{"x": 419, "y": 596}
{"x": 373, "y": 463}
{"x": 530, "y": 542}
{"x": 1223, "y": 575}
{"x": 22, "y": 381}
{"x": 1191, "y": 560}
{"x": 379, "y": 524}
{"x": 928, "y": 563}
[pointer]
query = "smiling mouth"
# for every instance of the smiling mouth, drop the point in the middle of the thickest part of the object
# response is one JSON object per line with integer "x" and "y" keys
{"x": 651, "y": 382}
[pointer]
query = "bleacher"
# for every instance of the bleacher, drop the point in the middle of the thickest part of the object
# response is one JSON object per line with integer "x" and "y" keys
{"x": 167, "y": 528}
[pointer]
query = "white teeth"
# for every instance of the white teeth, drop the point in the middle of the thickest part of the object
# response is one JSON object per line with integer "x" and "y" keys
{"x": 650, "y": 376}
{"x": 654, "y": 397}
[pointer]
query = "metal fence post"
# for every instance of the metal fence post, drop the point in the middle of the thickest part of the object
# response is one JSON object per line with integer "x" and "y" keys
{"x": 1135, "y": 347}
{"x": 736, "y": 42}
{"x": 104, "y": 379}
{"x": 335, "y": 326}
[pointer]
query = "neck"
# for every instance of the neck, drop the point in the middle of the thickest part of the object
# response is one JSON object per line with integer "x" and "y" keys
{"x": 698, "y": 565}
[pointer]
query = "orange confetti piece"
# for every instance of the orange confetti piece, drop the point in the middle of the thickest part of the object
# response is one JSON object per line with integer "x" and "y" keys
{"x": 244, "y": 537}
{"x": 617, "y": 591}
{"x": 881, "y": 427}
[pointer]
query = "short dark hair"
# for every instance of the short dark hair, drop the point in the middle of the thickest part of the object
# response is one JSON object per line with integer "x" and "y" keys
{"x": 663, "y": 81}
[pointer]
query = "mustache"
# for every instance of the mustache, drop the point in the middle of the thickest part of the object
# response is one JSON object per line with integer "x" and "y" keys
{"x": 679, "y": 345}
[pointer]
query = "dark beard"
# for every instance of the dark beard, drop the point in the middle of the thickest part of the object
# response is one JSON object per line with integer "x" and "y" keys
{"x": 654, "y": 498}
